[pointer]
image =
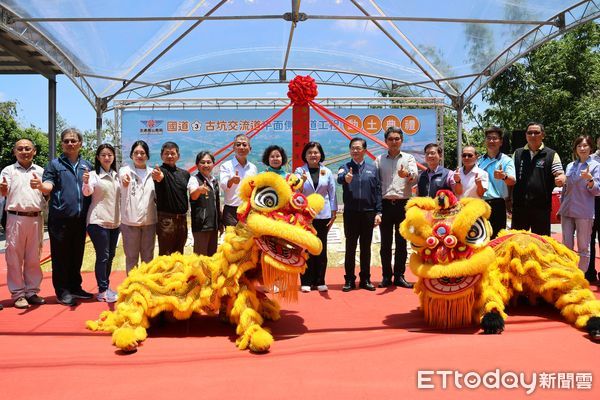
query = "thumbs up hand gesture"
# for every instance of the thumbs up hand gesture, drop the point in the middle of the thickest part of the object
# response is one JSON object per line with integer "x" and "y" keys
{"x": 234, "y": 180}
{"x": 4, "y": 186}
{"x": 203, "y": 189}
{"x": 559, "y": 179}
{"x": 499, "y": 172}
{"x": 349, "y": 176}
{"x": 585, "y": 174}
{"x": 402, "y": 173}
{"x": 157, "y": 174}
{"x": 35, "y": 182}
{"x": 86, "y": 175}
{"x": 457, "y": 175}
{"x": 478, "y": 179}
{"x": 126, "y": 180}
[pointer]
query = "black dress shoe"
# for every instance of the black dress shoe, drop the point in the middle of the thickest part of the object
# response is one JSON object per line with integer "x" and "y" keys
{"x": 385, "y": 282}
{"x": 81, "y": 294}
{"x": 35, "y": 300}
{"x": 348, "y": 286}
{"x": 367, "y": 286}
{"x": 66, "y": 299}
{"x": 403, "y": 283}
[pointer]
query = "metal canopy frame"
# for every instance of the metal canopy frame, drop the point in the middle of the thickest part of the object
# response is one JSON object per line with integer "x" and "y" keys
{"x": 13, "y": 26}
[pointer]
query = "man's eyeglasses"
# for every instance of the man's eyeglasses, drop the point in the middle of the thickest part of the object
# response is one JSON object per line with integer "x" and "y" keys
{"x": 468, "y": 155}
{"x": 492, "y": 138}
{"x": 70, "y": 141}
{"x": 394, "y": 139}
{"x": 533, "y": 133}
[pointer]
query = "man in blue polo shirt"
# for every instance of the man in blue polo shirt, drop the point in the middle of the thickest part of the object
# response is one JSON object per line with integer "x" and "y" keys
{"x": 501, "y": 171}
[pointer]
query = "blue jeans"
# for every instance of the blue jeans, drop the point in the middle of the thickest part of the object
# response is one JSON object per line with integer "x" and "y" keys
{"x": 105, "y": 243}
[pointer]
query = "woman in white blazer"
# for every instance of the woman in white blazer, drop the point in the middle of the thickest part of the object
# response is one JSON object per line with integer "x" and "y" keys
{"x": 138, "y": 207}
{"x": 318, "y": 179}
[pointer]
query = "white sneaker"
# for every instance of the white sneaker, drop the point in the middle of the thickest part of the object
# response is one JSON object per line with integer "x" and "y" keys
{"x": 106, "y": 296}
{"x": 322, "y": 288}
{"x": 305, "y": 289}
{"x": 113, "y": 293}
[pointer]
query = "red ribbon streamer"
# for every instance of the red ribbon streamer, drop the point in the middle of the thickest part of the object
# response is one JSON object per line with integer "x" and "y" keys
{"x": 347, "y": 135}
{"x": 345, "y": 121}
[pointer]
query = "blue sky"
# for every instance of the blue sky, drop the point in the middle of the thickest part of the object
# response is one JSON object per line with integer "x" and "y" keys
{"x": 31, "y": 94}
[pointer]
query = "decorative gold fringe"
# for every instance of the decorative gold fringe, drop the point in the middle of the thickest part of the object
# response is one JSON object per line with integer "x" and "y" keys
{"x": 286, "y": 282}
{"x": 449, "y": 312}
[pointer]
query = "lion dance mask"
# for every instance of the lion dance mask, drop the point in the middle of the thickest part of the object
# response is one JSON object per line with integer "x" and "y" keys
{"x": 268, "y": 247}
{"x": 466, "y": 279}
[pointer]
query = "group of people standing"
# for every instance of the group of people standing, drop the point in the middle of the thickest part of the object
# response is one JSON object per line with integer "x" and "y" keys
{"x": 523, "y": 185}
{"x": 143, "y": 203}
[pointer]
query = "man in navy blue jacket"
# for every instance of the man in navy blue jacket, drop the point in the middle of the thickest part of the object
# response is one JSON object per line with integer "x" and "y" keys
{"x": 362, "y": 212}
{"x": 62, "y": 180}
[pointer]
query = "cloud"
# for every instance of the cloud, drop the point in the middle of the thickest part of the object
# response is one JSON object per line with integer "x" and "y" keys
{"x": 2, "y": 96}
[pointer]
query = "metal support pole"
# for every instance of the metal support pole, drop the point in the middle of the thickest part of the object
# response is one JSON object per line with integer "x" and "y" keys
{"x": 52, "y": 117}
{"x": 98, "y": 126}
{"x": 459, "y": 139}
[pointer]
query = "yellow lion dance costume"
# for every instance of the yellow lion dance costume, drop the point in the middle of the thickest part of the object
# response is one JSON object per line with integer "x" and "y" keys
{"x": 464, "y": 279}
{"x": 268, "y": 247}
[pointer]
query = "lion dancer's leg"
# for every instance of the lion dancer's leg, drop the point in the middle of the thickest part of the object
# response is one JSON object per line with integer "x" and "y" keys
{"x": 491, "y": 304}
{"x": 128, "y": 322}
{"x": 245, "y": 314}
{"x": 268, "y": 309}
{"x": 576, "y": 302}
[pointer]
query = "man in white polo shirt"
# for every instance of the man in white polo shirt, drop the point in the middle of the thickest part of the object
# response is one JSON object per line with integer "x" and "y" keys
{"x": 231, "y": 174}
{"x": 20, "y": 184}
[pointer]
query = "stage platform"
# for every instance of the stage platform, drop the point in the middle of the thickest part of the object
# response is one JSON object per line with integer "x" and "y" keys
{"x": 356, "y": 345}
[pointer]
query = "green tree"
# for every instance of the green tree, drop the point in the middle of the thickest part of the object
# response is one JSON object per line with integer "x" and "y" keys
{"x": 90, "y": 140}
{"x": 557, "y": 85}
{"x": 10, "y": 132}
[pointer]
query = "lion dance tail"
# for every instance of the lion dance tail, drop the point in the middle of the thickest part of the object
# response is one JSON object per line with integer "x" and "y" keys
{"x": 165, "y": 284}
{"x": 542, "y": 266}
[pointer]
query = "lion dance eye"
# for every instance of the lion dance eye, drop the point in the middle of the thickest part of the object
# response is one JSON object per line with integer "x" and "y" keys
{"x": 477, "y": 234}
{"x": 266, "y": 197}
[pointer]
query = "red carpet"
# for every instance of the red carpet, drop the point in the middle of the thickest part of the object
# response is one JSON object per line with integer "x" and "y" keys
{"x": 337, "y": 345}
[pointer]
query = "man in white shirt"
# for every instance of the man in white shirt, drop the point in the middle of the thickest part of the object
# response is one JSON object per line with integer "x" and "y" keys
{"x": 231, "y": 174}
{"x": 21, "y": 184}
{"x": 397, "y": 171}
{"x": 470, "y": 180}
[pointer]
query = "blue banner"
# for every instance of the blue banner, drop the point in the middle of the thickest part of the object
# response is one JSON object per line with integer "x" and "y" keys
{"x": 198, "y": 130}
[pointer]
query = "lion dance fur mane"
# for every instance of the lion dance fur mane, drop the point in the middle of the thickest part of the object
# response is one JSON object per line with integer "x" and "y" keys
{"x": 268, "y": 247}
{"x": 465, "y": 279}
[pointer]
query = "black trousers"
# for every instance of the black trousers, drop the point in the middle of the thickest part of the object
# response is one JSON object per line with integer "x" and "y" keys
{"x": 67, "y": 244}
{"x": 230, "y": 215}
{"x": 393, "y": 213}
{"x": 498, "y": 216}
{"x": 595, "y": 233}
{"x": 171, "y": 231}
{"x": 535, "y": 218}
{"x": 358, "y": 225}
{"x": 317, "y": 265}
